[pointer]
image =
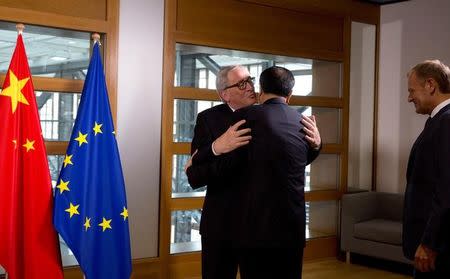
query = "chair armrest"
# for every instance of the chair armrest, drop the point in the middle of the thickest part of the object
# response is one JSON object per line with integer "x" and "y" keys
{"x": 356, "y": 208}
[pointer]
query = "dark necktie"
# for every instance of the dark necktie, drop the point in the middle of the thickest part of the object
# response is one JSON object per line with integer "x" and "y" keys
{"x": 427, "y": 122}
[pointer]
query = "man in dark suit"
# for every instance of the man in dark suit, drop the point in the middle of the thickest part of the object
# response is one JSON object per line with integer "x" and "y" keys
{"x": 214, "y": 135}
{"x": 235, "y": 88}
{"x": 272, "y": 231}
{"x": 426, "y": 227}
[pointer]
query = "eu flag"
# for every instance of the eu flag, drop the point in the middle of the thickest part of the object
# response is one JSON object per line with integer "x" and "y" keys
{"x": 90, "y": 203}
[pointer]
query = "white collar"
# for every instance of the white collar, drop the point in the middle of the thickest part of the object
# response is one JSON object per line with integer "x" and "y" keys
{"x": 439, "y": 107}
{"x": 230, "y": 107}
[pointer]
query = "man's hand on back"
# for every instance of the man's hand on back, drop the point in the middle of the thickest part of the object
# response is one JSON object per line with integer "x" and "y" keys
{"x": 233, "y": 138}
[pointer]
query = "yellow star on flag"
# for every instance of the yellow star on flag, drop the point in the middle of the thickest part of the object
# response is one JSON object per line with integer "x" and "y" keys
{"x": 97, "y": 128}
{"x": 15, "y": 143}
{"x": 124, "y": 213}
{"x": 14, "y": 91}
{"x": 68, "y": 160}
{"x": 29, "y": 145}
{"x": 87, "y": 224}
{"x": 73, "y": 209}
{"x": 81, "y": 138}
{"x": 63, "y": 186}
{"x": 105, "y": 224}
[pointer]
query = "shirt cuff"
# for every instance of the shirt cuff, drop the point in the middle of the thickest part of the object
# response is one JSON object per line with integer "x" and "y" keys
{"x": 213, "y": 150}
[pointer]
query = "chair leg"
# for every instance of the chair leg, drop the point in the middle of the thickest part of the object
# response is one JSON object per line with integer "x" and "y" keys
{"x": 347, "y": 257}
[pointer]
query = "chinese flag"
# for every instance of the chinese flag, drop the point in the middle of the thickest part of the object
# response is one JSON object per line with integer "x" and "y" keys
{"x": 28, "y": 242}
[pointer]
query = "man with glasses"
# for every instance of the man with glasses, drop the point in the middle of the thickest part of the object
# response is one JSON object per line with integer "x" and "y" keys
{"x": 235, "y": 88}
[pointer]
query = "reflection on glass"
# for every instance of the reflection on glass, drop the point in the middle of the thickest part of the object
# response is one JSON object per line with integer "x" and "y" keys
{"x": 57, "y": 112}
{"x": 184, "y": 117}
{"x": 321, "y": 219}
{"x": 54, "y": 163}
{"x": 180, "y": 184}
{"x": 323, "y": 173}
{"x": 185, "y": 231}
{"x": 51, "y": 52}
{"x": 328, "y": 122}
{"x": 197, "y": 66}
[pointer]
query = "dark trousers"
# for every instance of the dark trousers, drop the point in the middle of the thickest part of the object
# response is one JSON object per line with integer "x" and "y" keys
{"x": 442, "y": 269}
{"x": 270, "y": 263}
{"x": 219, "y": 259}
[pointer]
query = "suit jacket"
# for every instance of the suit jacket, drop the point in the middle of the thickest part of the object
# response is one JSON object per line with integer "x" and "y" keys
{"x": 427, "y": 196}
{"x": 272, "y": 181}
{"x": 210, "y": 124}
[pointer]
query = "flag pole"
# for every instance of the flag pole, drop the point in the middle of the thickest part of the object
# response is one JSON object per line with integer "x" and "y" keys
{"x": 96, "y": 38}
{"x": 20, "y": 27}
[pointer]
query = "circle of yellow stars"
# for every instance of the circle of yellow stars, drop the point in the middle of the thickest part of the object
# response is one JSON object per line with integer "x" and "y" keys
{"x": 64, "y": 185}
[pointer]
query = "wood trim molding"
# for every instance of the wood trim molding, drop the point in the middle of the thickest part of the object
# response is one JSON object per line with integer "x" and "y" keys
{"x": 181, "y": 148}
{"x": 54, "y": 84}
{"x": 320, "y": 248}
{"x": 325, "y": 195}
{"x": 186, "y": 203}
{"x": 191, "y": 93}
{"x": 198, "y": 39}
{"x": 52, "y": 20}
{"x": 166, "y": 136}
{"x": 346, "y": 108}
{"x": 56, "y": 147}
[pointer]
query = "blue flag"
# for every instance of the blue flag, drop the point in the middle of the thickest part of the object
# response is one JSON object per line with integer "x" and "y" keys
{"x": 90, "y": 209}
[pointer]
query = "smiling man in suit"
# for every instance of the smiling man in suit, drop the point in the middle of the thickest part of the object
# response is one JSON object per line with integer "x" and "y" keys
{"x": 426, "y": 227}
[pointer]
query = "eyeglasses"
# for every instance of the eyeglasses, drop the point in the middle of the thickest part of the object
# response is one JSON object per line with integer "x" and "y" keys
{"x": 242, "y": 84}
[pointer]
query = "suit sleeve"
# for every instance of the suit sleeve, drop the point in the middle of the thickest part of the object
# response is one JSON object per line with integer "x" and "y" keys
{"x": 203, "y": 138}
{"x": 216, "y": 170}
{"x": 437, "y": 231}
{"x": 313, "y": 153}
{"x": 207, "y": 168}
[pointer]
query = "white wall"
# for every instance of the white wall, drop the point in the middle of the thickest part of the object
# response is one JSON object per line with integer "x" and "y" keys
{"x": 362, "y": 72}
{"x": 410, "y": 32}
{"x": 139, "y": 117}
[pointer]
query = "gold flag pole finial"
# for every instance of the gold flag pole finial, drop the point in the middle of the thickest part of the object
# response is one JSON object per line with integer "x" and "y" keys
{"x": 20, "y": 27}
{"x": 96, "y": 38}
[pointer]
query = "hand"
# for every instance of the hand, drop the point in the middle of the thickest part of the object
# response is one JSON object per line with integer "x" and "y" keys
{"x": 232, "y": 139}
{"x": 189, "y": 162}
{"x": 312, "y": 133}
{"x": 425, "y": 259}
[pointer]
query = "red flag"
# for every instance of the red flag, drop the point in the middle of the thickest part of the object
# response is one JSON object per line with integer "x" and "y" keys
{"x": 28, "y": 242}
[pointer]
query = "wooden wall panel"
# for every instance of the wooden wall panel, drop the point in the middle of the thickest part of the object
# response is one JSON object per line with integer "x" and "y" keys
{"x": 247, "y": 25}
{"x": 359, "y": 11}
{"x": 93, "y": 9}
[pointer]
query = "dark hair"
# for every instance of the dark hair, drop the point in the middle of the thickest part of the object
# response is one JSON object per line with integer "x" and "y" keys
{"x": 436, "y": 70}
{"x": 277, "y": 80}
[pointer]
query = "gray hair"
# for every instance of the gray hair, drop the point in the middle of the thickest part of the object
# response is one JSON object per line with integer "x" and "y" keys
{"x": 222, "y": 77}
{"x": 436, "y": 70}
